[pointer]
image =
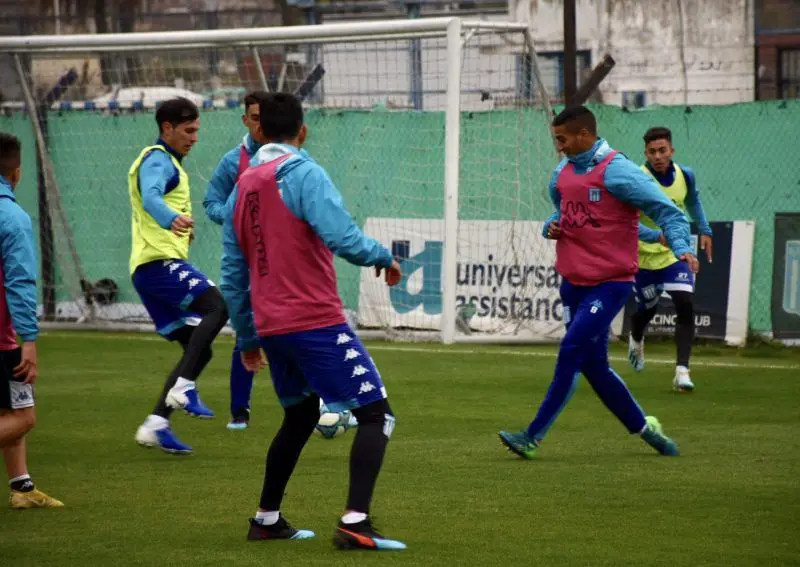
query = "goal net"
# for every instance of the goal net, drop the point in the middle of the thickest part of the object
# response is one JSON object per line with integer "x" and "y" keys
{"x": 435, "y": 131}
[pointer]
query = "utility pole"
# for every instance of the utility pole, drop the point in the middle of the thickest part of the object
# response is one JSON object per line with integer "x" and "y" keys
{"x": 570, "y": 52}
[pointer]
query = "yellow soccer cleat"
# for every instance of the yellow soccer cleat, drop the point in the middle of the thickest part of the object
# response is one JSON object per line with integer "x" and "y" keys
{"x": 33, "y": 499}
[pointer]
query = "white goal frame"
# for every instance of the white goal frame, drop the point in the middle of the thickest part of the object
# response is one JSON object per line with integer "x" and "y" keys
{"x": 456, "y": 32}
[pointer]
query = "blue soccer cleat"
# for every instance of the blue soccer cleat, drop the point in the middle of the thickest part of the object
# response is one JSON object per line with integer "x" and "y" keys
{"x": 654, "y": 436}
{"x": 362, "y": 535}
{"x": 189, "y": 400}
{"x": 520, "y": 443}
{"x": 162, "y": 438}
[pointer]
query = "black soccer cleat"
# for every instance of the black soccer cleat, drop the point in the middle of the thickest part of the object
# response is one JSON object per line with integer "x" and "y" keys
{"x": 361, "y": 535}
{"x": 279, "y": 530}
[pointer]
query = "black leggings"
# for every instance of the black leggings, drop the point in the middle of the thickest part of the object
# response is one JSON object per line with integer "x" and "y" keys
{"x": 684, "y": 328}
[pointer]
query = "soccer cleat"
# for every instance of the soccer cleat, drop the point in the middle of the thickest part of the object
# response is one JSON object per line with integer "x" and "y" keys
{"x": 189, "y": 400}
{"x": 279, "y": 530}
{"x": 238, "y": 423}
{"x": 162, "y": 438}
{"x": 520, "y": 443}
{"x": 682, "y": 382}
{"x": 636, "y": 354}
{"x": 654, "y": 436}
{"x": 32, "y": 499}
{"x": 240, "y": 420}
{"x": 362, "y": 535}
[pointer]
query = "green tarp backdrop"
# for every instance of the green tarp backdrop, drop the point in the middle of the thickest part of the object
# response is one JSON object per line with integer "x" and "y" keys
{"x": 391, "y": 164}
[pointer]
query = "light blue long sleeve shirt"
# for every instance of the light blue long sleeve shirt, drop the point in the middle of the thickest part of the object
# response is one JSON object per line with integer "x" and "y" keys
{"x": 628, "y": 183}
{"x": 311, "y": 196}
{"x": 18, "y": 254}
{"x": 694, "y": 206}
{"x": 224, "y": 177}
{"x": 157, "y": 177}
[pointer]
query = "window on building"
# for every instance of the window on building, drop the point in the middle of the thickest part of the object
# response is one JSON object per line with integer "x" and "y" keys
{"x": 551, "y": 64}
{"x": 789, "y": 80}
{"x": 634, "y": 99}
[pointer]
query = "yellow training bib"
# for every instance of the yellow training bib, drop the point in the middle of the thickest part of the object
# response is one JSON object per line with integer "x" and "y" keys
{"x": 149, "y": 241}
{"x": 655, "y": 256}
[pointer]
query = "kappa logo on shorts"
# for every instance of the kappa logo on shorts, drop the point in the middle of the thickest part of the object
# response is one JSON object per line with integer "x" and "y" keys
{"x": 650, "y": 292}
{"x": 183, "y": 275}
{"x": 351, "y": 354}
{"x": 343, "y": 338}
{"x": 193, "y": 282}
{"x": 366, "y": 387}
{"x": 360, "y": 371}
{"x": 173, "y": 267}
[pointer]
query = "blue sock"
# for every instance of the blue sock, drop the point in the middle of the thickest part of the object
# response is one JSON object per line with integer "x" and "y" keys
{"x": 241, "y": 385}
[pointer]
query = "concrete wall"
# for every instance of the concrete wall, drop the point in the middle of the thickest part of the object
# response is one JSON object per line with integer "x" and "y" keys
{"x": 674, "y": 51}
{"x": 677, "y": 51}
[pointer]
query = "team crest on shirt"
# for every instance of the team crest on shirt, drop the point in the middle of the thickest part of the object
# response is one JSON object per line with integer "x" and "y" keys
{"x": 594, "y": 195}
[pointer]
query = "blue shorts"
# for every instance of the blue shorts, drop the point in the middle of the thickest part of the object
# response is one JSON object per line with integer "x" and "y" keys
{"x": 330, "y": 361}
{"x": 167, "y": 289}
{"x": 650, "y": 284}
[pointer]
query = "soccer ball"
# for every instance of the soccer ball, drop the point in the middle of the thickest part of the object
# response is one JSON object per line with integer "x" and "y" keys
{"x": 333, "y": 424}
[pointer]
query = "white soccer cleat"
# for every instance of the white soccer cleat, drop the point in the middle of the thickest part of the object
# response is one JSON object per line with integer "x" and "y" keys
{"x": 682, "y": 382}
{"x": 146, "y": 436}
{"x": 636, "y": 354}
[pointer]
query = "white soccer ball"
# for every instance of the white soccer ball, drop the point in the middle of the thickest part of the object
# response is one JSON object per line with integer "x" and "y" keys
{"x": 333, "y": 424}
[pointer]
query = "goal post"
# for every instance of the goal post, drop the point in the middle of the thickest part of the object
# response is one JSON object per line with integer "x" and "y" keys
{"x": 435, "y": 130}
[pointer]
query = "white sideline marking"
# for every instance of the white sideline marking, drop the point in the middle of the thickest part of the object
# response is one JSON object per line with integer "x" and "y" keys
{"x": 462, "y": 351}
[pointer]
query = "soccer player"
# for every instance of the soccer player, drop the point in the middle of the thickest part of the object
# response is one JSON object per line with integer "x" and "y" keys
{"x": 18, "y": 365}
{"x": 223, "y": 180}
{"x": 283, "y": 223}
{"x": 597, "y": 193}
{"x": 174, "y": 292}
{"x": 659, "y": 269}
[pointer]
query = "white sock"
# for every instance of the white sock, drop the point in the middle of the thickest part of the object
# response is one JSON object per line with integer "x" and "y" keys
{"x": 267, "y": 518}
{"x": 353, "y": 517}
{"x": 182, "y": 384}
{"x": 681, "y": 369}
{"x": 19, "y": 478}
{"x": 156, "y": 422}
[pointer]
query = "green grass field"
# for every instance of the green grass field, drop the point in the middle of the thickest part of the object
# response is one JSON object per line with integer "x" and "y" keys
{"x": 594, "y": 496}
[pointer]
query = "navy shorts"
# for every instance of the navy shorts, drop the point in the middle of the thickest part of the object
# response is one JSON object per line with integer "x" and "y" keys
{"x": 14, "y": 393}
{"x": 167, "y": 289}
{"x": 650, "y": 284}
{"x": 330, "y": 361}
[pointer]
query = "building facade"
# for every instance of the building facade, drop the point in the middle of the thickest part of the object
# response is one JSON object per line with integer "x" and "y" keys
{"x": 777, "y": 37}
